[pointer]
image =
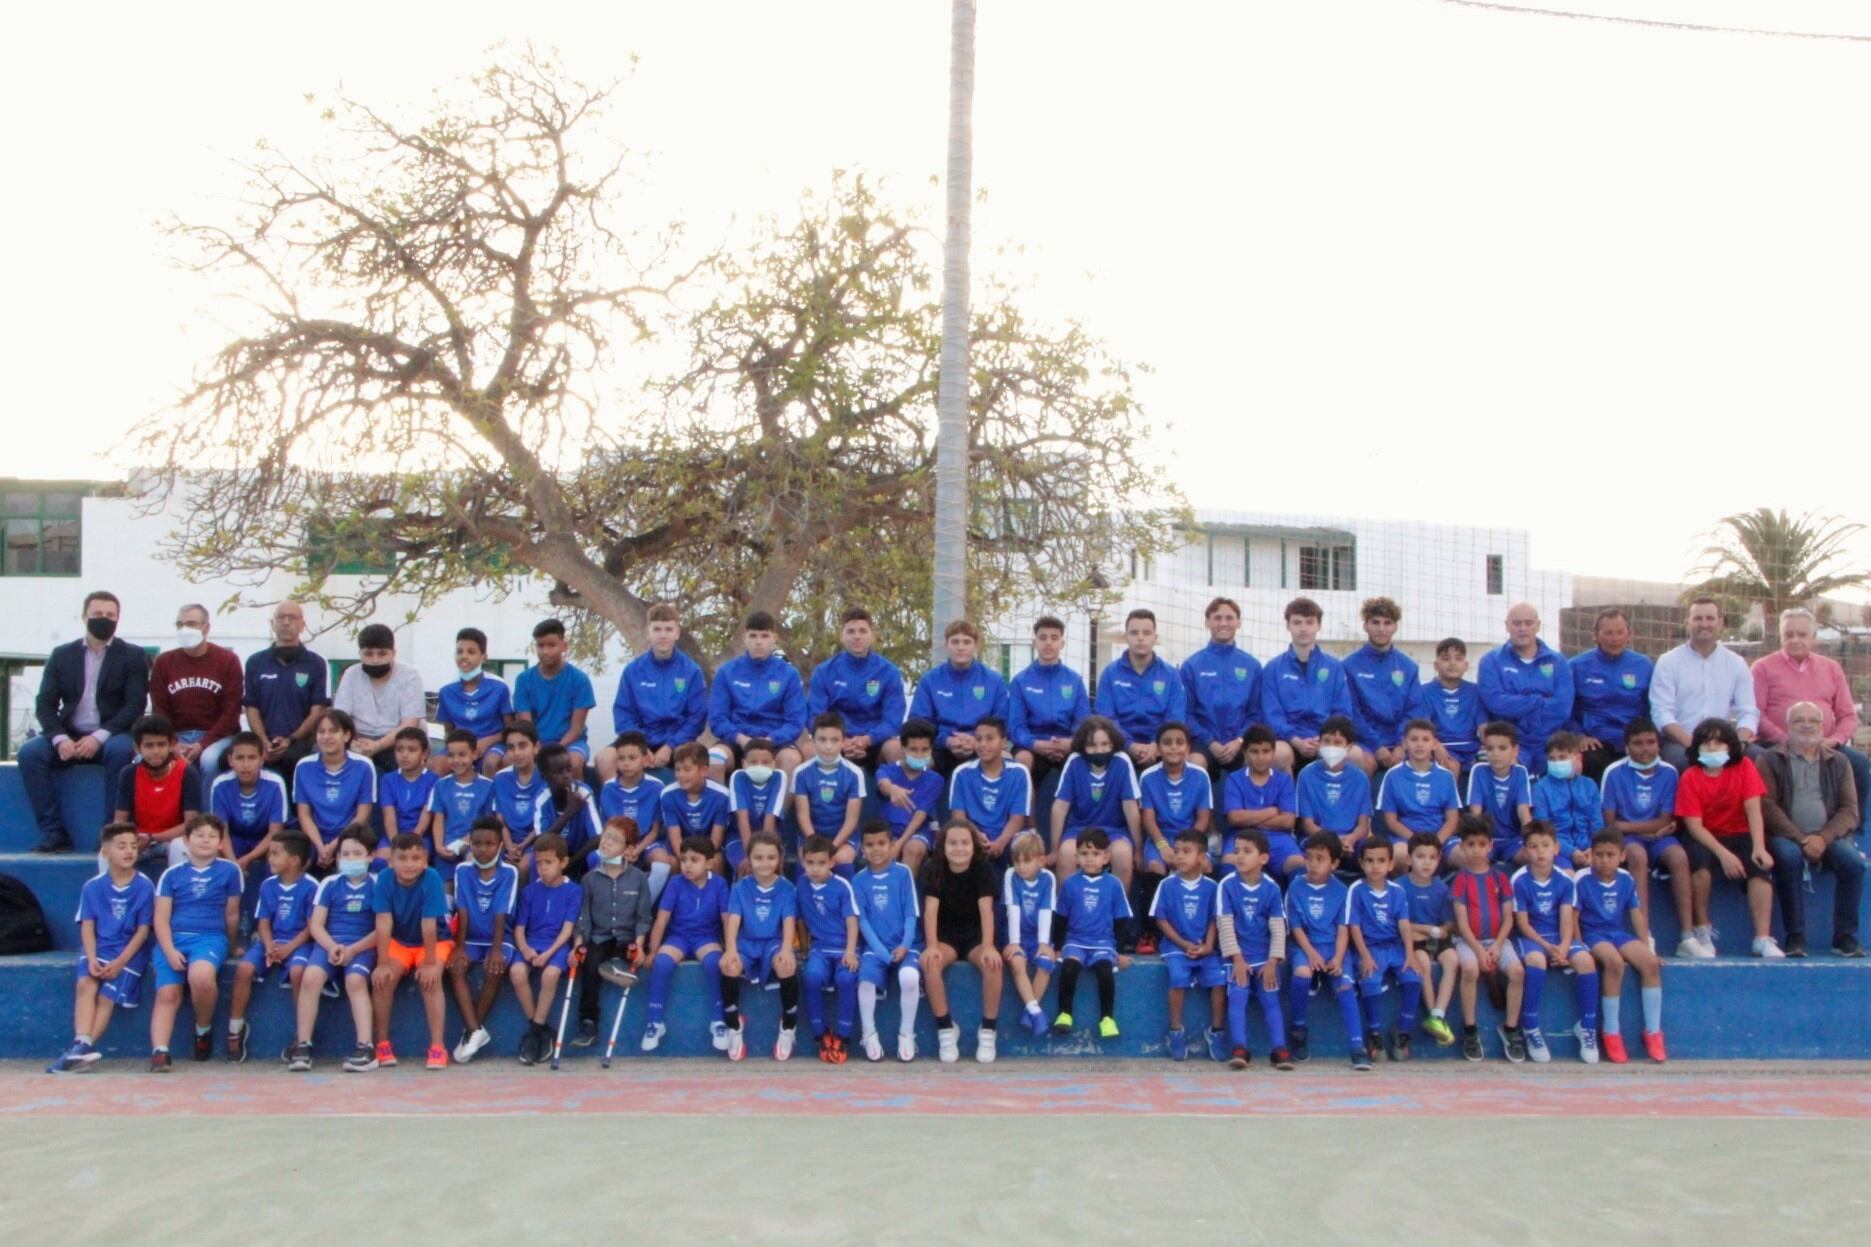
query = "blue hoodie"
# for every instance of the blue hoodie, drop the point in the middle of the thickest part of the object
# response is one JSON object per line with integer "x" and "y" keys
{"x": 757, "y": 698}
{"x": 1383, "y": 690}
{"x": 956, "y": 698}
{"x": 1045, "y": 701}
{"x": 1222, "y": 684}
{"x": 665, "y": 699}
{"x": 1535, "y": 696}
{"x": 1295, "y": 699}
{"x": 867, "y": 691}
{"x": 1609, "y": 693}
{"x": 1142, "y": 703}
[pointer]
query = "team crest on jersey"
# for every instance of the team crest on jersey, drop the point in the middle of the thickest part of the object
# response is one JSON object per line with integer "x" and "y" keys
{"x": 1629, "y": 680}
{"x": 773, "y": 686}
{"x": 1097, "y": 789}
{"x": 301, "y": 679}
{"x": 980, "y": 692}
{"x": 1332, "y": 793}
{"x": 872, "y": 687}
{"x": 989, "y": 798}
{"x": 1644, "y": 798}
{"x": 1065, "y": 691}
{"x": 1157, "y": 686}
{"x": 682, "y": 683}
{"x": 1091, "y": 901}
{"x": 1315, "y": 907}
{"x": 1323, "y": 675}
{"x": 1543, "y": 903}
{"x": 119, "y": 906}
{"x": 1422, "y": 792}
{"x": 1396, "y": 678}
{"x": 827, "y": 791}
{"x": 1546, "y": 669}
{"x": 1240, "y": 675}
{"x": 1192, "y": 906}
{"x": 1175, "y": 802}
{"x": 1609, "y": 902}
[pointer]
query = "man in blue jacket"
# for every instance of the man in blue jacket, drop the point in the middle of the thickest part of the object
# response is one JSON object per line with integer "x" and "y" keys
{"x": 957, "y": 695}
{"x": 1045, "y": 706}
{"x": 1142, "y": 692}
{"x": 756, "y": 693}
{"x": 93, "y": 689}
{"x": 1382, "y": 681}
{"x": 1529, "y": 684}
{"x": 1610, "y": 687}
{"x": 1222, "y": 683}
{"x": 1302, "y": 688}
{"x": 863, "y": 686}
{"x": 662, "y": 694}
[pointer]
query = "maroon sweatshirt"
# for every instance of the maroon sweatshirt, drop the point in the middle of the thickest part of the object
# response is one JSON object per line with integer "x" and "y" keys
{"x": 198, "y": 694}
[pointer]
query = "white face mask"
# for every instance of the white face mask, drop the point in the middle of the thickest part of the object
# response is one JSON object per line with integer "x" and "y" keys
{"x": 759, "y": 774}
{"x": 189, "y": 638}
{"x": 1333, "y": 755}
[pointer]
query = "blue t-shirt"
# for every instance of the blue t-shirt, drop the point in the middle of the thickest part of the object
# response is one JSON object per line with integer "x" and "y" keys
{"x": 925, "y": 789}
{"x": 248, "y": 815}
{"x": 1414, "y": 800}
{"x": 458, "y": 804}
{"x": 334, "y": 795}
{"x": 409, "y": 904}
{"x": 1187, "y": 907}
{"x": 480, "y": 900}
{"x": 289, "y": 909}
{"x": 1456, "y": 714}
{"x": 1175, "y": 802}
{"x": 1092, "y": 904}
{"x": 990, "y": 801}
{"x": 350, "y": 908}
{"x": 1027, "y": 902}
{"x": 285, "y": 692}
{"x": 544, "y": 911}
{"x": 824, "y": 908}
{"x": 514, "y": 801}
{"x": 410, "y": 797}
{"x": 1334, "y": 800}
{"x": 200, "y": 895}
{"x": 1603, "y": 906}
{"x": 762, "y": 910}
{"x": 1253, "y": 907}
{"x": 1318, "y": 909}
{"x": 757, "y": 800}
{"x": 1096, "y": 799}
{"x": 694, "y": 910}
{"x": 1500, "y": 798}
{"x": 642, "y": 805}
{"x": 889, "y": 917}
{"x": 1634, "y": 796}
{"x": 580, "y": 829}
{"x": 482, "y": 709}
{"x": 552, "y": 702}
{"x": 1541, "y": 902}
{"x": 827, "y": 792}
{"x": 701, "y": 816}
{"x": 1377, "y": 914}
{"x": 1430, "y": 904}
{"x": 117, "y": 911}
{"x": 1242, "y": 793}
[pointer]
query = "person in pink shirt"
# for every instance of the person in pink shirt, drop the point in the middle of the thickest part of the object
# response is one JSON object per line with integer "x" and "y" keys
{"x": 1793, "y": 674}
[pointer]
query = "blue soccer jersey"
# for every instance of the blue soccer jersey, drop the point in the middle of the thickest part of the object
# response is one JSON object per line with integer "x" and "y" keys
{"x": 1092, "y": 904}
{"x": 1188, "y": 906}
{"x": 1175, "y": 802}
{"x": 1096, "y": 798}
{"x": 200, "y": 895}
{"x": 1318, "y": 909}
{"x": 1456, "y": 715}
{"x": 827, "y": 792}
{"x": 1242, "y": 792}
{"x": 1029, "y": 904}
{"x": 762, "y": 910}
{"x": 699, "y": 815}
{"x": 925, "y": 788}
{"x": 514, "y": 800}
{"x": 825, "y": 908}
{"x": 1378, "y": 915}
{"x": 866, "y": 692}
{"x": 642, "y": 805}
{"x": 409, "y": 797}
{"x": 1430, "y": 904}
{"x": 289, "y": 909}
{"x": 117, "y": 911}
{"x": 1222, "y": 682}
{"x": 1604, "y": 907}
{"x": 757, "y": 697}
{"x": 694, "y": 910}
{"x": 1142, "y": 702}
{"x": 249, "y": 814}
{"x": 758, "y": 800}
{"x": 1542, "y": 900}
{"x": 350, "y": 908}
{"x": 552, "y": 701}
{"x": 482, "y": 708}
{"x": 408, "y": 904}
{"x": 457, "y": 805}
{"x": 1416, "y": 800}
{"x": 1574, "y": 808}
{"x": 544, "y": 911}
{"x": 333, "y": 796}
{"x": 1251, "y": 907}
{"x": 580, "y": 829}
{"x": 1500, "y": 797}
{"x": 1634, "y": 796}
{"x": 481, "y": 896}
{"x": 888, "y": 915}
{"x": 990, "y": 800}
{"x": 1335, "y": 800}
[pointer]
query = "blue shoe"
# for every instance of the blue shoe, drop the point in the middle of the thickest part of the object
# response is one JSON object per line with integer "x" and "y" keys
{"x": 1035, "y": 1022}
{"x": 1178, "y": 1045}
{"x": 1360, "y": 1059}
{"x": 1218, "y": 1050}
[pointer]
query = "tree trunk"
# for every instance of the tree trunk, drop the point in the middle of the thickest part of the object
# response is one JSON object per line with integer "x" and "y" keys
{"x": 951, "y": 513}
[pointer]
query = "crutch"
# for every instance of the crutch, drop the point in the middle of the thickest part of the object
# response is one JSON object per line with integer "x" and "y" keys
{"x": 626, "y": 981}
{"x": 565, "y": 1010}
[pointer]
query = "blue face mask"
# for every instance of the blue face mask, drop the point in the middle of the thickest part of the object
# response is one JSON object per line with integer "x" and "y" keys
{"x": 1643, "y": 766}
{"x": 1714, "y": 759}
{"x": 1559, "y": 768}
{"x": 915, "y": 763}
{"x": 612, "y": 861}
{"x": 470, "y": 676}
{"x": 352, "y": 867}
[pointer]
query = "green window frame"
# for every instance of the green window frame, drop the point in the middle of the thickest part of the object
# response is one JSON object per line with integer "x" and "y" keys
{"x": 43, "y": 529}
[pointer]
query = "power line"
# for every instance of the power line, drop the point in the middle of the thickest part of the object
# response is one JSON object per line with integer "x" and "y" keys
{"x": 1656, "y": 22}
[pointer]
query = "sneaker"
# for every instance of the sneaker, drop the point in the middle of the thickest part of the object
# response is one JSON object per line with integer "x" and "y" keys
{"x": 1374, "y": 1042}
{"x": 83, "y": 1056}
{"x": 1693, "y": 949}
{"x": 1035, "y": 1022}
{"x": 386, "y": 1055}
{"x": 237, "y": 1045}
{"x": 737, "y": 1042}
{"x": 587, "y": 1033}
{"x": 362, "y": 1060}
{"x": 1360, "y": 1060}
{"x": 1653, "y": 1047}
{"x": 1301, "y": 1050}
{"x": 1398, "y": 1047}
{"x": 1178, "y": 1046}
{"x": 783, "y": 1046}
{"x": 438, "y": 1057}
{"x": 160, "y": 1063}
{"x": 1537, "y": 1051}
{"x": 1513, "y": 1044}
{"x": 1588, "y": 1043}
{"x": 653, "y": 1035}
{"x": 471, "y": 1045}
{"x": 1847, "y": 946}
{"x": 906, "y": 1048}
{"x": 1062, "y": 1025}
{"x": 1613, "y": 1047}
{"x": 986, "y": 1047}
{"x": 840, "y": 1050}
{"x": 1767, "y": 950}
{"x": 718, "y": 1035}
{"x": 1281, "y": 1058}
{"x": 62, "y": 1063}
{"x": 1438, "y": 1030}
{"x": 1107, "y": 1028}
{"x": 948, "y": 1044}
{"x": 617, "y": 973}
{"x": 825, "y": 1047}
{"x": 1471, "y": 1046}
{"x": 1240, "y": 1058}
{"x": 204, "y": 1047}
{"x": 1146, "y": 944}
{"x": 1708, "y": 936}
{"x": 299, "y": 1058}
{"x": 873, "y": 1047}
{"x": 1217, "y": 1046}
{"x": 1795, "y": 947}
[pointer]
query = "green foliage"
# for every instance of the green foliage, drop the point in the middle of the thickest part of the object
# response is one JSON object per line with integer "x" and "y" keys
{"x": 1772, "y": 559}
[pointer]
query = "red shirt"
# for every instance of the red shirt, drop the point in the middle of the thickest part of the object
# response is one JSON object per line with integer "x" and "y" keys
{"x": 1719, "y": 799}
{"x": 158, "y": 803}
{"x": 198, "y": 694}
{"x": 1486, "y": 896}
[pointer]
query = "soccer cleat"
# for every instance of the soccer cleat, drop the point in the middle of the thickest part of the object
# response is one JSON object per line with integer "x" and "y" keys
{"x": 1588, "y": 1043}
{"x": 1360, "y": 1060}
{"x": 1107, "y": 1028}
{"x": 1653, "y": 1047}
{"x": 299, "y": 1058}
{"x": 204, "y": 1046}
{"x": 825, "y": 1047}
{"x": 1439, "y": 1031}
{"x": 159, "y": 1062}
{"x": 237, "y": 1044}
{"x": 1374, "y": 1043}
{"x": 1217, "y": 1046}
{"x": 386, "y": 1055}
{"x": 1766, "y": 949}
{"x": 986, "y": 1047}
{"x": 1397, "y": 1047}
{"x": 653, "y": 1035}
{"x": 737, "y": 1043}
{"x": 1513, "y": 1044}
{"x": 529, "y": 1045}
{"x": 438, "y": 1057}
{"x": 1693, "y": 949}
{"x": 1537, "y": 1050}
{"x": 617, "y": 973}
{"x": 1240, "y": 1058}
{"x": 1281, "y": 1058}
{"x": 718, "y": 1035}
{"x": 1178, "y": 1046}
{"x": 1795, "y": 947}
{"x": 1613, "y": 1046}
{"x": 873, "y": 1047}
{"x": 471, "y": 1044}
{"x": 1471, "y": 1046}
{"x": 362, "y": 1060}
{"x": 587, "y": 1033}
{"x": 1062, "y": 1025}
{"x": 1301, "y": 1050}
{"x": 948, "y": 1044}
{"x": 906, "y": 1048}
{"x": 1847, "y": 946}
{"x": 840, "y": 1050}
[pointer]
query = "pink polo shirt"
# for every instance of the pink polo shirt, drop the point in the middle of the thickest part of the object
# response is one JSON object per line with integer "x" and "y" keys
{"x": 1779, "y": 683}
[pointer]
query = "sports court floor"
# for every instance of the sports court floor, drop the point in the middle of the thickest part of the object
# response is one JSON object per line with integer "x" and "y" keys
{"x": 1103, "y": 1152}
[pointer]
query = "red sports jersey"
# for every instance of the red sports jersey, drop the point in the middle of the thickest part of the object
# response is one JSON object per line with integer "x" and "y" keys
{"x": 1486, "y": 897}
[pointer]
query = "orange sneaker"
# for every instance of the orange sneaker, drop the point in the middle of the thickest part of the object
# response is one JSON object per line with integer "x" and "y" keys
{"x": 438, "y": 1057}
{"x": 1613, "y": 1048}
{"x": 386, "y": 1055}
{"x": 1653, "y": 1044}
{"x": 839, "y": 1052}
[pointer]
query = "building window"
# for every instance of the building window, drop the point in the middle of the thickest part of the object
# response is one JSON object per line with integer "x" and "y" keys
{"x": 1328, "y": 567}
{"x": 1497, "y": 575}
{"x": 1140, "y": 567}
{"x": 42, "y": 529}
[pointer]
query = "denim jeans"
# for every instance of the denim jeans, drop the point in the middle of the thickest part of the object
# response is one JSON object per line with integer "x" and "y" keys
{"x": 38, "y": 759}
{"x": 1847, "y": 865}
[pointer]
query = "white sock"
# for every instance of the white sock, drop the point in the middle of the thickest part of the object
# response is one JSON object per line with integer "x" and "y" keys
{"x": 1032, "y": 1006}
{"x": 236, "y": 1025}
{"x": 1438, "y": 1013}
{"x": 81, "y": 1039}
{"x": 659, "y": 875}
{"x": 909, "y": 985}
{"x": 867, "y": 1007}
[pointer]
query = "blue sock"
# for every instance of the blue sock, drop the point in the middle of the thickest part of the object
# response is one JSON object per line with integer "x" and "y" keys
{"x": 1348, "y": 1013}
{"x": 813, "y": 976}
{"x": 1585, "y": 991}
{"x": 1530, "y": 997}
{"x": 1653, "y": 1009}
{"x": 1609, "y": 1007}
{"x": 1299, "y": 995}
{"x": 846, "y": 871}
{"x": 1270, "y": 1013}
{"x": 847, "y": 988}
{"x": 1373, "y": 1010}
{"x": 1412, "y": 1002}
{"x": 711, "y": 970}
{"x": 662, "y": 971}
{"x": 1237, "y": 1016}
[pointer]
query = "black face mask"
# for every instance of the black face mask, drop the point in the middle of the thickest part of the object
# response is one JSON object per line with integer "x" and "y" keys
{"x": 102, "y": 629}
{"x": 1099, "y": 757}
{"x": 287, "y": 653}
{"x": 376, "y": 670}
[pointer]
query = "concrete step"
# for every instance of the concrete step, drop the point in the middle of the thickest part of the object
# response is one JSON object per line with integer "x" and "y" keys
{"x": 81, "y": 794}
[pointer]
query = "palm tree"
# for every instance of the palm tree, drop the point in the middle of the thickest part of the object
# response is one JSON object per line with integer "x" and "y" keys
{"x": 951, "y": 508}
{"x": 1772, "y": 560}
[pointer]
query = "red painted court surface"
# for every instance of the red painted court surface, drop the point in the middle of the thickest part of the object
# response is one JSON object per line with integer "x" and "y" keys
{"x": 1134, "y": 1089}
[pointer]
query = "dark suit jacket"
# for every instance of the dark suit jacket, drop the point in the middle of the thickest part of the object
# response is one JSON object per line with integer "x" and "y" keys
{"x": 122, "y": 687}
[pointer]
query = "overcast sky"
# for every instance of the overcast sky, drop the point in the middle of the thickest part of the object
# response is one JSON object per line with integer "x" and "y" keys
{"x": 1603, "y": 281}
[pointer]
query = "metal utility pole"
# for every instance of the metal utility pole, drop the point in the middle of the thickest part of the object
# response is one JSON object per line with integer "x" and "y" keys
{"x": 951, "y": 508}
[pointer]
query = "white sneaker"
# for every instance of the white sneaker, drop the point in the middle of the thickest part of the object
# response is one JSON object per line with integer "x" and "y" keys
{"x": 718, "y": 1035}
{"x": 873, "y": 1047}
{"x": 470, "y": 1044}
{"x": 984, "y": 1047}
{"x": 1588, "y": 1043}
{"x": 948, "y": 1044}
{"x": 1537, "y": 1050}
{"x": 737, "y": 1043}
{"x": 1765, "y": 947}
{"x": 1706, "y": 936}
{"x": 906, "y": 1047}
{"x": 1694, "y": 949}
{"x": 783, "y": 1046}
{"x": 653, "y": 1035}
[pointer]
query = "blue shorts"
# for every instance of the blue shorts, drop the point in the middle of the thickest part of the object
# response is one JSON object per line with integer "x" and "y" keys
{"x": 1186, "y": 971}
{"x": 828, "y": 963}
{"x": 922, "y": 835}
{"x": 363, "y": 963}
{"x": 1390, "y": 960}
{"x": 1506, "y": 846}
{"x": 255, "y": 956}
{"x": 1072, "y": 834}
{"x": 207, "y": 947}
{"x": 1654, "y": 846}
{"x": 1088, "y": 954}
{"x": 734, "y": 851}
{"x": 1029, "y": 949}
{"x": 1526, "y": 947}
{"x": 560, "y": 960}
{"x": 126, "y": 990}
{"x": 878, "y": 971}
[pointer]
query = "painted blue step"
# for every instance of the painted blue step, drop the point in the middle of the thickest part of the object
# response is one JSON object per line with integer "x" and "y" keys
{"x": 81, "y": 793}
{"x": 1724, "y": 1009}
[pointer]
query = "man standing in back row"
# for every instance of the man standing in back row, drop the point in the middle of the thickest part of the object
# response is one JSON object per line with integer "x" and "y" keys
{"x": 1793, "y": 674}
{"x": 1527, "y": 683}
{"x": 1701, "y": 679}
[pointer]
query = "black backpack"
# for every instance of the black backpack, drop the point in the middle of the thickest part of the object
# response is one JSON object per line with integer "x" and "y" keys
{"x": 22, "y": 922}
